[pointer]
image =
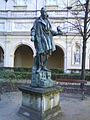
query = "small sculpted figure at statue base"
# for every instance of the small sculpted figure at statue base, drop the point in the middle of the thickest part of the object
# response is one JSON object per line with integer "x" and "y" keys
{"x": 42, "y": 79}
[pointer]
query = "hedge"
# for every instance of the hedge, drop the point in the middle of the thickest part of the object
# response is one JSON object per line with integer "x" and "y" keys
{"x": 70, "y": 76}
{"x": 26, "y": 74}
{"x": 15, "y": 75}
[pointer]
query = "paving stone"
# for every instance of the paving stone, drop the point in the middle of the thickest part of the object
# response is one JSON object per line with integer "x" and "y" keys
{"x": 73, "y": 108}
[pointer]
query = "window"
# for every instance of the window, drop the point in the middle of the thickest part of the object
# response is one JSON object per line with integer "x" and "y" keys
{"x": 51, "y": 2}
{"x": 21, "y": 2}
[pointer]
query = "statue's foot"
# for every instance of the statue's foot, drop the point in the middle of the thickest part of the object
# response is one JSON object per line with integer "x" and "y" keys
{"x": 46, "y": 69}
{"x": 39, "y": 70}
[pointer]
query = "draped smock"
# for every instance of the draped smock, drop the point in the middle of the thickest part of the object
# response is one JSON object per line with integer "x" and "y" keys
{"x": 42, "y": 31}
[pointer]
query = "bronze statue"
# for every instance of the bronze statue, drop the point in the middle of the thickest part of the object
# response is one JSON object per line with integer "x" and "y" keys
{"x": 42, "y": 36}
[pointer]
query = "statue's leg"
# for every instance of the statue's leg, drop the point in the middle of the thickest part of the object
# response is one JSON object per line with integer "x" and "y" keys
{"x": 42, "y": 60}
{"x": 45, "y": 61}
{"x": 35, "y": 65}
{"x": 39, "y": 63}
{"x": 34, "y": 69}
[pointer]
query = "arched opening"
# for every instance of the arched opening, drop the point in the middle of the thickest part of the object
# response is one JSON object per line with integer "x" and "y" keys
{"x": 23, "y": 57}
{"x": 56, "y": 60}
{"x": 1, "y": 57}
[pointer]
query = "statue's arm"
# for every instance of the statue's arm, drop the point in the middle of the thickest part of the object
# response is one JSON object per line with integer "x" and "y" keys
{"x": 33, "y": 32}
{"x": 56, "y": 33}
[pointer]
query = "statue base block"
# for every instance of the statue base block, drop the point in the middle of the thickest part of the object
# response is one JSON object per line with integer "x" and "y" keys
{"x": 40, "y": 103}
{"x": 42, "y": 79}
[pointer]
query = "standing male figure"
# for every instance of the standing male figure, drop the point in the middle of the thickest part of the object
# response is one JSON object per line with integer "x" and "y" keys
{"x": 42, "y": 36}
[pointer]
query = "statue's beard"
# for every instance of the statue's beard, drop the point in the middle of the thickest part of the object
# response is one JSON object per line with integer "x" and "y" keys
{"x": 45, "y": 16}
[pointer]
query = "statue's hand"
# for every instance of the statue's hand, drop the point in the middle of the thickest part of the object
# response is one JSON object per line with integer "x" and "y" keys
{"x": 59, "y": 31}
{"x": 32, "y": 38}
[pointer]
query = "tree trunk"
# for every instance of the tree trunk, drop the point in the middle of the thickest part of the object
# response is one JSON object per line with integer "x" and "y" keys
{"x": 84, "y": 41}
{"x": 83, "y": 60}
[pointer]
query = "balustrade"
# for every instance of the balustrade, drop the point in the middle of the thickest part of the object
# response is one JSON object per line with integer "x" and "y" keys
{"x": 32, "y": 14}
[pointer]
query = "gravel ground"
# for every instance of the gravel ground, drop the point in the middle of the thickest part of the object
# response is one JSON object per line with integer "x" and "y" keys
{"x": 73, "y": 108}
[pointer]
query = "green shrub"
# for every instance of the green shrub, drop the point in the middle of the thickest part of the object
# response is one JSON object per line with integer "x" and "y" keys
{"x": 14, "y": 75}
{"x": 22, "y": 69}
{"x": 69, "y": 76}
{"x": 57, "y": 71}
{"x": 88, "y": 77}
{"x": 26, "y": 74}
{"x": 4, "y": 74}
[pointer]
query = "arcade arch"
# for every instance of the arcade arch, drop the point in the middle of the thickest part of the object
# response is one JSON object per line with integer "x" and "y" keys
{"x": 1, "y": 57}
{"x": 56, "y": 60}
{"x": 23, "y": 56}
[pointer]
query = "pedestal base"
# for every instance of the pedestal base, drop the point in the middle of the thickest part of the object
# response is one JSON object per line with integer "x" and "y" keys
{"x": 42, "y": 79}
{"x": 40, "y": 103}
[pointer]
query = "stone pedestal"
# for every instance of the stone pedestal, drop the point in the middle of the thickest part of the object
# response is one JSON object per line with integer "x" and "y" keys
{"x": 40, "y": 103}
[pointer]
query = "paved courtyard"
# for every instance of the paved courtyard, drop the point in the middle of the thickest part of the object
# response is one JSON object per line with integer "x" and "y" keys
{"x": 73, "y": 108}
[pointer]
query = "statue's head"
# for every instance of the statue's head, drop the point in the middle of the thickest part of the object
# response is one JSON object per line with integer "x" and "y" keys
{"x": 44, "y": 12}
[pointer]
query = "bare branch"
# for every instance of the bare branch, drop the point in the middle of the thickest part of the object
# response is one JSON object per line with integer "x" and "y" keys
{"x": 77, "y": 27}
{"x": 88, "y": 20}
{"x": 83, "y": 6}
{"x": 88, "y": 34}
{"x": 74, "y": 36}
{"x": 79, "y": 24}
{"x": 88, "y": 26}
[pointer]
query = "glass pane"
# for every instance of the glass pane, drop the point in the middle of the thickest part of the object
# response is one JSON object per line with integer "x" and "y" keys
{"x": 20, "y": 2}
{"x": 51, "y": 2}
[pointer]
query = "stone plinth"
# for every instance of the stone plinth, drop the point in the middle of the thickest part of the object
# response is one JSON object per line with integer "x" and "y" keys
{"x": 42, "y": 79}
{"x": 40, "y": 103}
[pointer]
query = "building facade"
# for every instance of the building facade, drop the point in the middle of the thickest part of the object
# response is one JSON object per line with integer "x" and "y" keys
{"x": 16, "y": 21}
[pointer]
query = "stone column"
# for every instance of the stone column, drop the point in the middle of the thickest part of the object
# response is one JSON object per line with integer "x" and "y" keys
{"x": 7, "y": 54}
{"x": 65, "y": 63}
